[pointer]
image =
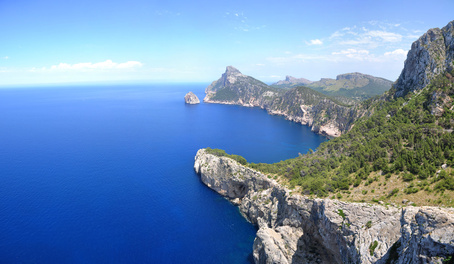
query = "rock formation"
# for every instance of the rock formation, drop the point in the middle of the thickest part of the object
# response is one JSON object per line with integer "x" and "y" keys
{"x": 430, "y": 55}
{"x": 300, "y": 104}
{"x": 292, "y": 81}
{"x": 191, "y": 98}
{"x": 297, "y": 229}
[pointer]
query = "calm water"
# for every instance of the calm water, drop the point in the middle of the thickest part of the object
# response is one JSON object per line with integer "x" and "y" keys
{"x": 105, "y": 174}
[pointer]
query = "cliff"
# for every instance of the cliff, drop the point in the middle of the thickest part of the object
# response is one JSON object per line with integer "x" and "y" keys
{"x": 300, "y": 104}
{"x": 429, "y": 56}
{"x": 295, "y": 229}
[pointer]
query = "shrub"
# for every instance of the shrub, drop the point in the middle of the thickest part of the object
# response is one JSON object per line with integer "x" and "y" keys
{"x": 373, "y": 246}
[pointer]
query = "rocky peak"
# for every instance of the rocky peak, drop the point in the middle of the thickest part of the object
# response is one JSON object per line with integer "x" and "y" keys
{"x": 289, "y": 78}
{"x": 429, "y": 56}
{"x": 230, "y": 70}
{"x": 351, "y": 76}
{"x": 292, "y": 81}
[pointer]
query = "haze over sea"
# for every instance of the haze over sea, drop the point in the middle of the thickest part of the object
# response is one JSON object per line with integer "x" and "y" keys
{"x": 104, "y": 174}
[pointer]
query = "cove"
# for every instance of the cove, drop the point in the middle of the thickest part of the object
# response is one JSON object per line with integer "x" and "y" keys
{"x": 104, "y": 174}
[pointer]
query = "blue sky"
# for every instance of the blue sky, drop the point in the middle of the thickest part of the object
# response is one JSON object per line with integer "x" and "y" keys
{"x": 50, "y": 41}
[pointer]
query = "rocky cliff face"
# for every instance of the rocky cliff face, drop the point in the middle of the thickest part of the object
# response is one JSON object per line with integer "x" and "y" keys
{"x": 299, "y": 104}
{"x": 430, "y": 55}
{"x": 296, "y": 229}
{"x": 191, "y": 98}
{"x": 236, "y": 88}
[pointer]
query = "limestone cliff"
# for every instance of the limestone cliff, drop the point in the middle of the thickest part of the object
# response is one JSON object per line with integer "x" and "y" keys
{"x": 191, "y": 98}
{"x": 300, "y": 104}
{"x": 430, "y": 55}
{"x": 296, "y": 229}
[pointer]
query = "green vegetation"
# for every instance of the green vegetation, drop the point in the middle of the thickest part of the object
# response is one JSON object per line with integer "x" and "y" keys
{"x": 341, "y": 213}
{"x": 369, "y": 224}
{"x": 373, "y": 246}
{"x": 222, "y": 153}
{"x": 401, "y": 137}
{"x": 360, "y": 88}
{"x": 402, "y": 141}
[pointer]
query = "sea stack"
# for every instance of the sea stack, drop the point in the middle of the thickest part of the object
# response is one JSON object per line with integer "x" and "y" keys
{"x": 191, "y": 98}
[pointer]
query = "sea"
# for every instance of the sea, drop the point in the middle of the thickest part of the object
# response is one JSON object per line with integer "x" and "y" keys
{"x": 104, "y": 173}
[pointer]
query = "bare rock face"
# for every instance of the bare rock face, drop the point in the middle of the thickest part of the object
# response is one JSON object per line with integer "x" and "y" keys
{"x": 295, "y": 229}
{"x": 191, "y": 98}
{"x": 430, "y": 55}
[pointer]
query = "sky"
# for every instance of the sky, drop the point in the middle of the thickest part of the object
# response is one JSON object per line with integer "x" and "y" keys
{"x": 141, "y": 41}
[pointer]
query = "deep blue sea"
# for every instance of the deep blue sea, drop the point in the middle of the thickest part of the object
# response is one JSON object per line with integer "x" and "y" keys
{"x": 104, "y": 174}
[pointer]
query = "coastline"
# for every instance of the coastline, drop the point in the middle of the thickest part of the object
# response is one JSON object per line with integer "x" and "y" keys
{"x": 295, "y": 228}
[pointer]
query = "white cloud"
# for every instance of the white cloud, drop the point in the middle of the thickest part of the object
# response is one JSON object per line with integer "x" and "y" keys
{"x": 398, "y": 53}
{"x": 354, "y": 54}
{"x": 5, "y": 58}
{"x": 105, "y": 65}
{"x": 385, "y": 36}
{"x": 315, "y": 42}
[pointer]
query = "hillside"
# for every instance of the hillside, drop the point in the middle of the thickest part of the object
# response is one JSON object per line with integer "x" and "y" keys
{"x": 325, "y": 115}
{"x": 356, "y": 85}
{"x": 401, "y": 152}
{"x": 290, "y": 82}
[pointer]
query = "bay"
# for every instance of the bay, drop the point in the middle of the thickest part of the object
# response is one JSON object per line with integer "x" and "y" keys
{"x": 104, "y": 174}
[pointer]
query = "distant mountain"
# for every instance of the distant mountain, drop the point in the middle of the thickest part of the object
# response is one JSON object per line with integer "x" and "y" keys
{"x": 323, "y": 114}
{"x": 352, "y": 85}
{"x": 236, "y": 88}
{"x": 291, "y": 82}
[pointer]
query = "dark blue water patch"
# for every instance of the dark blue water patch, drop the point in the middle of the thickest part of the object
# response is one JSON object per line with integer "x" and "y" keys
{"x": 104, "y": 174}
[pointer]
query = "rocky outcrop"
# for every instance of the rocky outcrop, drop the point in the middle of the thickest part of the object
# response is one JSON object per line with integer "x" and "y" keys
{"x": 236, "y": 88}
{"x": 191, "y": 98}
{"x": 430, "y": 55}
{"x": 295, "y": 229}
{"x": 292, "y": 81}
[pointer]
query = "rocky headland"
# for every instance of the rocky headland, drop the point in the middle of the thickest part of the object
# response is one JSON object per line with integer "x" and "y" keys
{"x": 191, "y": 98}
{"x": 300, "y": 104}
{"x": 296, "y": 229}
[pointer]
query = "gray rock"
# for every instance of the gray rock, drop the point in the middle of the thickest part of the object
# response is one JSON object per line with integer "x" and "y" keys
{"x": 295, "y": 229}
{"x": 191, "y": 98}
{"x": 430, "y": 55}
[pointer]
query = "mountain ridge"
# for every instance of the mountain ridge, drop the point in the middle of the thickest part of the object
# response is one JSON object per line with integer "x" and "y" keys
{"x": 325, "y": 115}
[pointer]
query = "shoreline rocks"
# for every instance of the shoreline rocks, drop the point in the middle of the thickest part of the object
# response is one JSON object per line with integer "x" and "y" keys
{"x": 191, "y": 98}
